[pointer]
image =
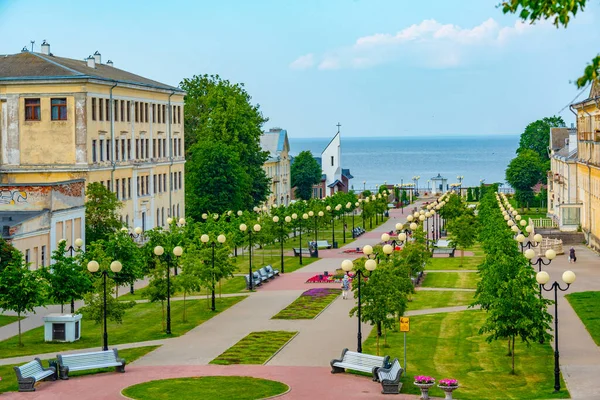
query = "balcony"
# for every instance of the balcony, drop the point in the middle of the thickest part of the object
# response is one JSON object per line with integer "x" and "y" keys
{"x": 589, "y": 136}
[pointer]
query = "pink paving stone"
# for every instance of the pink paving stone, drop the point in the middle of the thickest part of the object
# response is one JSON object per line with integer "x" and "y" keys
{"x": 304, "y": 382}
{"x": 456, "y": 254}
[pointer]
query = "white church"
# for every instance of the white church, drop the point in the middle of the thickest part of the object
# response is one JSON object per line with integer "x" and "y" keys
{"x": 334, "y": 178}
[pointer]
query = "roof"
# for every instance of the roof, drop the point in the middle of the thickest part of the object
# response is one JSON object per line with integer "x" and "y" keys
{"x": 275, "y": 141}
{"x": 336, "y": 183}
{"x": 332, "y": 139}
{"x": 13, "y": 218}
{"x": 439, "y": 177}
{"x": 346, "y": 173}
{"x": 36, "y": 66}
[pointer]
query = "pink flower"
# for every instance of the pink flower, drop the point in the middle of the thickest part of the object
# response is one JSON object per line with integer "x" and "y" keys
{"x": 423, "y": 379}
{"x": 448, "y": 382}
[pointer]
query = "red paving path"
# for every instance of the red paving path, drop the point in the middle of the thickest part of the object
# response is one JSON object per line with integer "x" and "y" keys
{"x": 305, "y": 382}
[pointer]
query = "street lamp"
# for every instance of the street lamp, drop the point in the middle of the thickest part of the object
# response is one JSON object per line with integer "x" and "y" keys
{"x": 221, "y": 239}
{"x": 333, "y": 244}
{"x": 304, "y": 216}
{"x": 542, "y": 278}
{"x": 256, "y": 228}
{"x": 276, "y": 219}
{"x": 137, "y": 232}
{"x": 115, "y": 267}
{"x": 537, "y": 239}
{"x": 370, "y": 266}
{"x": 177, "y": 224}
{"x": 364, "y": 186}
{"x": 78, "y": 244}
{"x": 348, "y": 206}
{"x": 177, "y": 252}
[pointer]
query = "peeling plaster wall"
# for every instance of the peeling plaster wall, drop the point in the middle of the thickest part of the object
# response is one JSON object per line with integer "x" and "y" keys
{"x": 35, "y": 198}
{"x": 12, "y": 130}
{"x": 80, "y": 128}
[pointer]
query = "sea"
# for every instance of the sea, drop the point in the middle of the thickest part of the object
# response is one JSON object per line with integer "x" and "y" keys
{"x": 376, "y": 160}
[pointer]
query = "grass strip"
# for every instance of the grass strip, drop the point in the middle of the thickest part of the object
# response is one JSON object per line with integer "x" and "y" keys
{"x": 449, "y": 345}
{"x": 424, "y": 299}
{"x": 236, "y": 284}
{"x": 585, "y": 305}
{"x": 206, "y": 388}
{"x": 9, "y": 378}
{"x": 310, "y": 304}
{"x": 8, "y": 319}
{"x": 256, "y": 348}
{"x": 141, "y": 323}
{"x": 459, "y": 280}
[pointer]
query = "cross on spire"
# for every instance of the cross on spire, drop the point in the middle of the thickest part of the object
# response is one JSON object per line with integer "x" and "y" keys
{"x": 338, "y": 126}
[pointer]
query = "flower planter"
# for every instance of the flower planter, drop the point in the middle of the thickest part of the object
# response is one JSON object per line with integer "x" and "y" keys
{"x": 424, "y": 389}
{"x": 448, "y": 390}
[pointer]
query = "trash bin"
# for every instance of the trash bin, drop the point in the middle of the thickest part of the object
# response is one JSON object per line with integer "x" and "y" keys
{"x": 335, "y": 245}
{"x": 314, "y": 253}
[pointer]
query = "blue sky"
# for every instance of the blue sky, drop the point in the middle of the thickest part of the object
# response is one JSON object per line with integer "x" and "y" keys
{"x": 379, "y": 67}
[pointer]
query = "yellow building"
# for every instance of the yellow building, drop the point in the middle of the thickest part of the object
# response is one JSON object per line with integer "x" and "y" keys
{"x": 63, "y": 119}
{"x": 588, "y": 165}
{"x": 277, "y": 166}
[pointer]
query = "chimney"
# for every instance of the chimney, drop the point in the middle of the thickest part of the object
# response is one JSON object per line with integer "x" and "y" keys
{"x": 45, "y": 48}
{"x": 91, "y": 62}
{"x": 109, "y": 63}
{"x": 97, "y": 57}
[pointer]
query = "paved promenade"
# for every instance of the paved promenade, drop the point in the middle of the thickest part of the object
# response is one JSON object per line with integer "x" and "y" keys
{"x": 304, "y": 362}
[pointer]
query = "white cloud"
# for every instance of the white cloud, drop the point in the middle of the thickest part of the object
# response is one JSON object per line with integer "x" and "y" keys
{"x": 429, "y": 43}
{"x": 303, "y": 62}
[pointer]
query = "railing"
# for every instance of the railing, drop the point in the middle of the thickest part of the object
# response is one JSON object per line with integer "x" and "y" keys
{"x": 543, "y": 222}
{"x": 547, "y": 244}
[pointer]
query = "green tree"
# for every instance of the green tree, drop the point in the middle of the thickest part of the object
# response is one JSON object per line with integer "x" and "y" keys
{"x": 536, "y": 137}
{"x": 21, "y": 289}
{"x": 101, "y": 213}
{"x": 158, "y": 286}
{"x": 477, "y": 193}
{"x": 560, "y": 11}
{"x": 523, "y": 172}
{"x": 470, "y": 195}
{"x": 221, "y": 112}
{"x": 463, "y": 232}
{"x": 67, "y": 278}
{"x": 305, "y": 172}
{"x": 125, "y": 250}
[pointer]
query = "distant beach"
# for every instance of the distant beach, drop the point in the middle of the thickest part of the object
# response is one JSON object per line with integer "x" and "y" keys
{"x": 391, "y": 159}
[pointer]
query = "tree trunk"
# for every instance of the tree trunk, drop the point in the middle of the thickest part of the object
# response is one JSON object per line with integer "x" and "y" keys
{"x": 377, "y": 345}
{"x": 62, "y": 309}
{"x": 509, "y": 352}
{"x": 72, "y": 306}
{"x": 116, "y": 290}
{"x": 19, "y": 317}
{"x": 462, "y": 256}
{"x": 513, "y": 355}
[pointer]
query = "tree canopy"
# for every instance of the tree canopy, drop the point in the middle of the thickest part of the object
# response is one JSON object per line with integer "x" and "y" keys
{"x": 524, "y": 172}
{"x": 536, "y": 136}
{"x": 560, "y": 12}
{"x": 305, "y": 172}
{"x": 101, "y": 213}
{"x": 220, "y": 119}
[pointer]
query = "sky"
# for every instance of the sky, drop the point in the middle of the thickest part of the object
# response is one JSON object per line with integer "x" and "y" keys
{"x": 378, "y": 67}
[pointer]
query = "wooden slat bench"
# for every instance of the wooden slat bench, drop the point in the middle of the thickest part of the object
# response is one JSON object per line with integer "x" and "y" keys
{"x": 304, "y": 251}
{"x": 32, "y": 372}
{"x": 270, "y": 270}
{"x": 390, "y": 378}
{"x": 84, "y": 361}
{"x": 359, "y": 362}
{"x": 323, "y": 244}
{"x": 444, "y": 250}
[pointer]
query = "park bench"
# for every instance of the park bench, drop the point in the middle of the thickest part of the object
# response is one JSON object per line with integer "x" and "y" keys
{"x": 84, "y": 361}
{"x": 359, "y": 362}
{"x": 323, "y": 244}
{"x": 297, "y": 251}
{"x": 265, "y": 275}
{"x": 390, "y": 378}
{"x": 32, "y": 372}
{"x": 256, "y": 280}
{"x": 444, "y": 250}
{"x": 270, "y": 269}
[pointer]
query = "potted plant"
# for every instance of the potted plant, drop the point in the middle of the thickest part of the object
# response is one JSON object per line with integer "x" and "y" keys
{"x": 424, "y": 382}
{"x": 448, "y": 386}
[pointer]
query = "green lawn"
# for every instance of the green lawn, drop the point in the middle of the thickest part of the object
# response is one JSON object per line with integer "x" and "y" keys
{"x": 256, "y": 348}
{"x": 206, "y": 388}
{"x": 443, "y": 263}
{"x": 236, "y": 284}
{"x": 585, "y": 305}
{"x": 460, "y": 280}
{"x": 140, "y": 323}
{"x": 309, "y": 304}
{"x": 448, "y": 345}
{"x": 9, "y": 379}
{"x": 423, "y": 299}
{"x": 7, "y": 319}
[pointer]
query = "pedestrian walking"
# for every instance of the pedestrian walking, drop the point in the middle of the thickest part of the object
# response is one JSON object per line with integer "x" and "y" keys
{"x": 572, "y": 256}
{"x": 345, "y": 286}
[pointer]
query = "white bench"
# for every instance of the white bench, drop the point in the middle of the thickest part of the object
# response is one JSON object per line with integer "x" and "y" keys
{"x": 323, "y": 244}
{"x": 359, "y": 362}
{"x": 32, "y": 372}
{"x": 84, "y": 361}
{"x": 390, "y": 378}
{"x": 444, "y": 250}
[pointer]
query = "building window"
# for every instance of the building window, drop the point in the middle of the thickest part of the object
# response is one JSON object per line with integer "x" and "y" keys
{"x": 117, "y": 189}
{"x": 164, "y": 108}
{"x": 154, "y": 182}
{"x": 332, "y": 161}
{"x": 101, "y": 150}
{"x": 122, "y": 110}
{"x": 59, "y": 109}
{"x": 147, "y": 184}
{"x": 141, "y": 149}
{"x": 123, "y": 151}
{"x": 165, "y": 182}
{"x": 108, "y": 150}
{"x": 159, "y": 148}
{"x": 163, "y": 216}
{"x": 123, "y": 193}
{"x": 128, "y": 111}
{"x": 147, "y": 148}
{"x": 177, "y": 210}
{"x": 165, "y": 147}
{"x": 27, "y": 256}
{"x": 101, "y": 109}
{"x": 180, "y": 150}
{"x": 137, "y": 148}
{"x": 93, "y": 108}
{"x": 157, "y": 216}
{"x": 94, "y": 159}
{"x": 107, "y": 103}
{"x": 129, "y": 187}
{"x": 43, "y": 256}
{"x": 117, "y": 150}
{"x": 179, "y": 114}
{"x": 129, "y": 149}
{"x": 153, "y": 148}
{"x": 146, "y": 112}
{"x": 180, "y": 180}
{"x": 116, "y": 109}
{"x": 154, "y": 113}
{"x": 158, "y": 109}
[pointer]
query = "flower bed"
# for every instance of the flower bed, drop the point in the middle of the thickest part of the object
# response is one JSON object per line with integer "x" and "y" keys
{"x": 322, "y": 278}
{"x": 309, "y": 304}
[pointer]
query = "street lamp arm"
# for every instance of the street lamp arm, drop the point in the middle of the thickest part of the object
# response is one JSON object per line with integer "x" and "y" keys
{"x": 555, "y": 286}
